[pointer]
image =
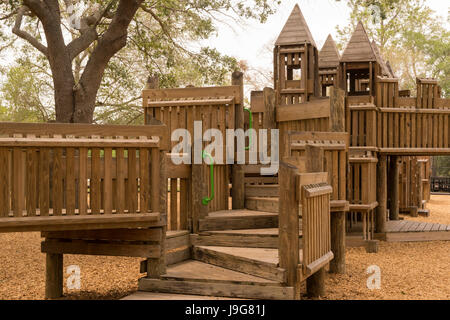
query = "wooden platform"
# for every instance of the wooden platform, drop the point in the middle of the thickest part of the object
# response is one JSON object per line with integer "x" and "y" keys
{"x": 407, "y": 230}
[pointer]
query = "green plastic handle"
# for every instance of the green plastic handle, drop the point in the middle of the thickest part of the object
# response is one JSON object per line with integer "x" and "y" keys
{"x": 250, "y": 127}
{"x": 207, "y": 200}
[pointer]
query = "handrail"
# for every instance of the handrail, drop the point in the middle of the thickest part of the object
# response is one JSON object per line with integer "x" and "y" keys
{"x": 250, "y": 127}
{"x": 207, "y": 200}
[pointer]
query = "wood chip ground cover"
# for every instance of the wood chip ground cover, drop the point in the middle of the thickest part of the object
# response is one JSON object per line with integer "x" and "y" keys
{"x": 415, "y": 270}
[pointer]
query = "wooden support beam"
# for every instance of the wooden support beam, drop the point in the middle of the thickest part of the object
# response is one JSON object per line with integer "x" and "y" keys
{"x": 381, "y": 194}
{"x": 337, "y": 224}
{"x": 393, "y": 188}
{"x": 289, "y": 225}
{"x": 237, "y": 190}
{"x": 54, "y": 276}
{"x": 315, "y": 284}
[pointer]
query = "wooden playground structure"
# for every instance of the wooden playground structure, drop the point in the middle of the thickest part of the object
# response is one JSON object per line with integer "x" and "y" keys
{"x": 354, "y": 152}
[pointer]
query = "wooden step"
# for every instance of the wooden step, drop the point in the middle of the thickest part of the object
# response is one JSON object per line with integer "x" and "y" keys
{"x": 263, "y": 190}
{"x": 238, "y": 219}
{"x": 260, "y": 262}
{"x": 250, "y": 238}
{"x": 198, "y": 278}
{"x": 265, "y": 204}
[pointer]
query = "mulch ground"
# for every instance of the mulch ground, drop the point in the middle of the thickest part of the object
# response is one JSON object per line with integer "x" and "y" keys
{"x": 415, "y": 270}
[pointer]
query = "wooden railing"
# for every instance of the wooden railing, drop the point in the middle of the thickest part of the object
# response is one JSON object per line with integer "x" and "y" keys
{"x": 361, "y": 186}
{"x": 88, "y": 172}
{"x": 316, "y": 225}
{"x": 215, "y": 108}
{"x": 412, "y": 125}
{"x": 312, "y": 193}
{"x": 335, "y": 146}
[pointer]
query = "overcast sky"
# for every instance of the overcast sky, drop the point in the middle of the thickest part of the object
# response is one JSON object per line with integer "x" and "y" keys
{"x": 322, "y": 16}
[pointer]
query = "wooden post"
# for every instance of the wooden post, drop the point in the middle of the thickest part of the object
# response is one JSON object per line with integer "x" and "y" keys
{"x": 337, "y": 224}
{"x": 156, "y": 267}
{"x": 381, "y": 194}
{"x": 393, "y": 188}
{"x": 199, "y": 191}
{"x": 315, "y": 284}
{"x": 337, "y": 219}
{"x": 152, "y": 83}
{"x": 237, "y": 191}
{"x": 337, "y": 110}
{"x": 288, "y": 249}
{"x": 54, "y": 275}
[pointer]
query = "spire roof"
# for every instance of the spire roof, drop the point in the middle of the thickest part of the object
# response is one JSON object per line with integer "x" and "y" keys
{"x": 359, "y": 48}
{"x": 329, "y": 55}
{"x": 296, "y": 30}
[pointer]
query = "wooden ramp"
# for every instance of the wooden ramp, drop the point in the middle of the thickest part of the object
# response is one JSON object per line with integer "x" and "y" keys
{"x": 407, "y": 230}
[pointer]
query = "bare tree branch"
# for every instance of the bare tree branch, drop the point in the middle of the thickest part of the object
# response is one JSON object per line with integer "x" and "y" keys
{"x": 88, "y": 30}
{"x": 25, "y": 35}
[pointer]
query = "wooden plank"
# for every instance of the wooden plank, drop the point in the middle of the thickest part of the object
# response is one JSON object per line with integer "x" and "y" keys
{"x": 217, "y": 289}
{"x": 72, "y": 129}
{"x": 120, "y": 181}
{"x": 58, "y": 176}
{"x": 101, "y": 249}
{"x": 55, "y": 223}
{"x": 108, "y": 182}
{"x": 5, "y": 184}
{"x": 95, "y": 186}
{"x": 198, "y": 92}
{"x": 82, "y": 182}
{"x": 70, "y": 181}
{"x": 144, "y": 180}
{"x": 153, "y": 234}
{"x": 317, "y": 108}
{"x": 259, "y": 262}
{"x": 31, "y": 176}
{"x": 132, "y": 181}
{"x": 44, "y": 181}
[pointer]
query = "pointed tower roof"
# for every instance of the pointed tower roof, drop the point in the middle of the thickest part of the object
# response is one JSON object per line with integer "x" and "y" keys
{"x": 295, "y": 30}
{"x": 359, "y": 47}
{"x": 329, "y": 55}
{"x": 380, "y": 60}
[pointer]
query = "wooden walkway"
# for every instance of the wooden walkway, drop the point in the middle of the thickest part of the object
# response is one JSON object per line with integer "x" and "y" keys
{"x": 406, "y": 230}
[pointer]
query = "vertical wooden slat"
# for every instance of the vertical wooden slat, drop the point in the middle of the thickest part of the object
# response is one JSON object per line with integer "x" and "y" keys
{"x": 173, "y": 204}
{"x": 107, "y": 185}
{"x": 120, "y": 181}
{"x": 83, "y": 182}
{"x": 58, "y": 176}
{"x": 132, "y": 181}
{"x": 144, "y": 179}
{"x": 4, "y": 182}
{"x": 95, "y": 190}
{"x": 155, "y": 182}
{"x": 31, "y": 174}
{"x": 70, "y": 181}
{"x": 44, "y": 181}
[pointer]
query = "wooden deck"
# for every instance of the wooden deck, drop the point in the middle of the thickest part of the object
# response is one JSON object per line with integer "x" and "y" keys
{"x": 407, "y": 230}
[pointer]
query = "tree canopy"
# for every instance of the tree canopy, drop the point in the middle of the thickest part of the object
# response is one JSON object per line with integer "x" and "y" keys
{"x": 96, "y": 55}
{"x": 410, "y": 36}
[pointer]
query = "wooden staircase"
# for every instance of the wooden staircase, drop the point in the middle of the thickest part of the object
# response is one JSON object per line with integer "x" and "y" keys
{"x": 235, "y": 254}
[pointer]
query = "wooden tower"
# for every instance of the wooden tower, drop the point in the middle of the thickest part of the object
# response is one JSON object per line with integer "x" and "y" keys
{"x": 329, "y": 65}
{"x": 359, "y": 64}
{"x": 296, "y": 62}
